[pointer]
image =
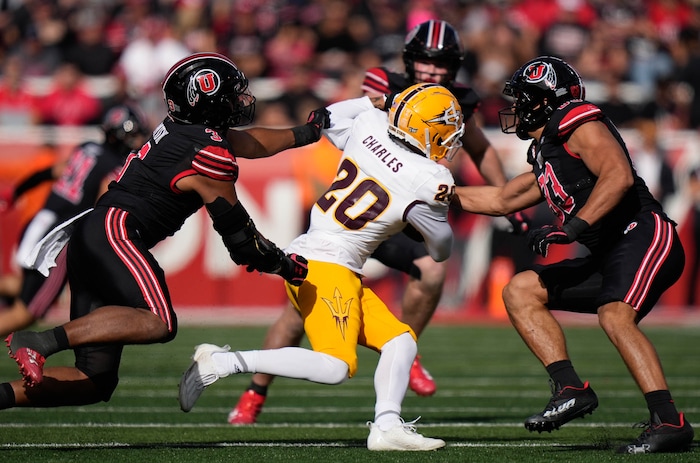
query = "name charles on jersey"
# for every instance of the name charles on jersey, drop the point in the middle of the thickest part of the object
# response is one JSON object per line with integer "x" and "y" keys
{"x": 382, "y": 153}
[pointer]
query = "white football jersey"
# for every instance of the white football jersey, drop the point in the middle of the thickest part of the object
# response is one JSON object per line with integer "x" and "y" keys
{"x": 379, "y": 188}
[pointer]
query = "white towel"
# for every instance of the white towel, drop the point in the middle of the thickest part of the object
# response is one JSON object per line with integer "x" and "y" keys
{"x": 43, "y": 256}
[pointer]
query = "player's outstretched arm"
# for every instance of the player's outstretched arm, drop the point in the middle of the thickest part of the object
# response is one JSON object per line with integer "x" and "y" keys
{"x": 261, "y": 142}
{"x": 519, "y": 193}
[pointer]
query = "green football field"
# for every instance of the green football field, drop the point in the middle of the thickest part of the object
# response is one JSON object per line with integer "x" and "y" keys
{"x": 488, "y": 382}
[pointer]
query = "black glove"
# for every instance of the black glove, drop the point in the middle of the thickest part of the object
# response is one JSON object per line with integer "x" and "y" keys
{"x": 294, "y": 269}
{"x": 310, "y": 132}
{"x": 539, "y": 239}
{"x": 520, "y": 223}
{"x": 291, "y": 267}
{"x": 259, "y": 255}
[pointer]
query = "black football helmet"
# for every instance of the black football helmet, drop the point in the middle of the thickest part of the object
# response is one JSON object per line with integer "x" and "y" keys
{"x": 437, "y": 42}
{"x": 208, "y": 89}
{"x": 539, "y": 87}
{"x": 122, "y": 125}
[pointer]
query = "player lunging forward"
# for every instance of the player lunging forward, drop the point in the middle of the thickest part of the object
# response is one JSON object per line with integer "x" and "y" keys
{"x": 387, "y": 180}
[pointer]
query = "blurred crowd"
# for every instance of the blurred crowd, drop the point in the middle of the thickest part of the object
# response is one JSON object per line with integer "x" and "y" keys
{"x": 64, "y": 62}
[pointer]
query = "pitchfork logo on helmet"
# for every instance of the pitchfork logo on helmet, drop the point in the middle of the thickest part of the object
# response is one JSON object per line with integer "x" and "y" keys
{"x": 428, "y": 119}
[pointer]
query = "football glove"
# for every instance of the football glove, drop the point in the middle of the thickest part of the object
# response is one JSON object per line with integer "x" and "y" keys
{"x": 294, "y": 269}
{"x": 310, "y": 132}
{"x": 539, "y": 239}
{"x": 520, "y": 223}
{"x": 291, "y": 267}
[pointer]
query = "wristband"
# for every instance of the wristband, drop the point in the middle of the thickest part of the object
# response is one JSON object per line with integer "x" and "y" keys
{"x": 303, "y": 135}
{"x": 574, "y": 227}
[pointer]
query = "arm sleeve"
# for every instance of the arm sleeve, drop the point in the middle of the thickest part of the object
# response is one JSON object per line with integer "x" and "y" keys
{"x": 433, "y": 225}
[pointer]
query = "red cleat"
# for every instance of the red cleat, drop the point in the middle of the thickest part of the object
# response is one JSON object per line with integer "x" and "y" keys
{"x": 247, "y": 409}
{"x": 420, "y": 380}
{"x": 31, "y": 363}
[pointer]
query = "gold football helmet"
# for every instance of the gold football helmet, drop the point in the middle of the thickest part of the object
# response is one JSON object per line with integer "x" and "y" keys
{"x": 429, "y": 119}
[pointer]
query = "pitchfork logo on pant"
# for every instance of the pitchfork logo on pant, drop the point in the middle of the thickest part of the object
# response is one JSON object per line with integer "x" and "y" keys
{"x": 204, "y": 81}
{"x": 339, "y": 311}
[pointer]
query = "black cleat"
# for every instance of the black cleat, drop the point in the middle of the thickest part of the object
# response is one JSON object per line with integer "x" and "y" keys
{"x": 565, "y": 405}
{"x": 661, "y": 437}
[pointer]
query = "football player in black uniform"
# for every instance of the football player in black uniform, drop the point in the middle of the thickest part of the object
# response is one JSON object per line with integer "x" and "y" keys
{"x": 432, "y": 53}
{"x": 582, "y": 169}
{"x": 79, "y": 181}
{"x": 118, "y": 291}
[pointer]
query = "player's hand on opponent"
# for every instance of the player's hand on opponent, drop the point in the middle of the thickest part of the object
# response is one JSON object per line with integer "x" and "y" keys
{"x": 310, "y": 132}
{"x": 318, "y": 120}
{"x": 294, "y": 269}
{"x": 268, "y": 258}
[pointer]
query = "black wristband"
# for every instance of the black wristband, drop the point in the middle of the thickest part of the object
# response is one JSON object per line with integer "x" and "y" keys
{"x": 574, "y": 227}
{"x": 303, "y": 135}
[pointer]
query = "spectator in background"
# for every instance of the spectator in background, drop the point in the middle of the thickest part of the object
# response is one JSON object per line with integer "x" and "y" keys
{"x": 614, "y": 105}
{"x": 69, "y": 102}
{"x": 694, "y": 187}
{"x": 650, "y": 161}
{"x": 17, "y": 103}
{"x": 146, "y": 59}
{"x": 569, "y": 32}
{"x": 690, "y": 72}
{"x": 298, "y": 88}
{"x": 336, "y": 42}
{"x": 88, "y": 50}
{"x": 291, "y": 45}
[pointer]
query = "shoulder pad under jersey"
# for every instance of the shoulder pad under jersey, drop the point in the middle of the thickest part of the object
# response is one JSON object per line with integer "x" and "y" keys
{"x": 213, "y": 158}
{"x": 571, "y": 115}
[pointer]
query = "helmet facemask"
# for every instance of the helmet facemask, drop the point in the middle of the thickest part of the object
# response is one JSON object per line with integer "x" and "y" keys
{"x": 525, "y": 115}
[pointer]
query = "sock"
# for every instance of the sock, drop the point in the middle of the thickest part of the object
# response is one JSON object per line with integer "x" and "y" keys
{"x": 7, "y": 396}
{"x": 230, "y": 363}
{"x": 258, "y": 389}
{"x": 563, "y": 374}
{"x": 391, "y": 379}
{"x": 661, "y": 403}
{"x": 46, "y": 342}
{"x": 389, "y": 417}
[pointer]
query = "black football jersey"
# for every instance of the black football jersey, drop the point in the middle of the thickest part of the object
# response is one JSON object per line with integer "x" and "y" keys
{"x": 79, "y": 184}
{"x": 146, "y": 186}
{"x": 381, "y": 80}
{"x": 566, "y": 182}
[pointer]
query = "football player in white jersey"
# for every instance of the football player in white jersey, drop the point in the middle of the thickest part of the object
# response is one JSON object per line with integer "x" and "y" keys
{"x": 388, "y": 179}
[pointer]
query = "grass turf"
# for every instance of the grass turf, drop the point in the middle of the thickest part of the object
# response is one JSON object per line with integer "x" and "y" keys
{"x": 488, "y": 382}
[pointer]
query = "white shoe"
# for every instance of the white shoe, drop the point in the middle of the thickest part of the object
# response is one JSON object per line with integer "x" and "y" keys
{"x": 403, "y": 436}
{"x": 201, "y": 373}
